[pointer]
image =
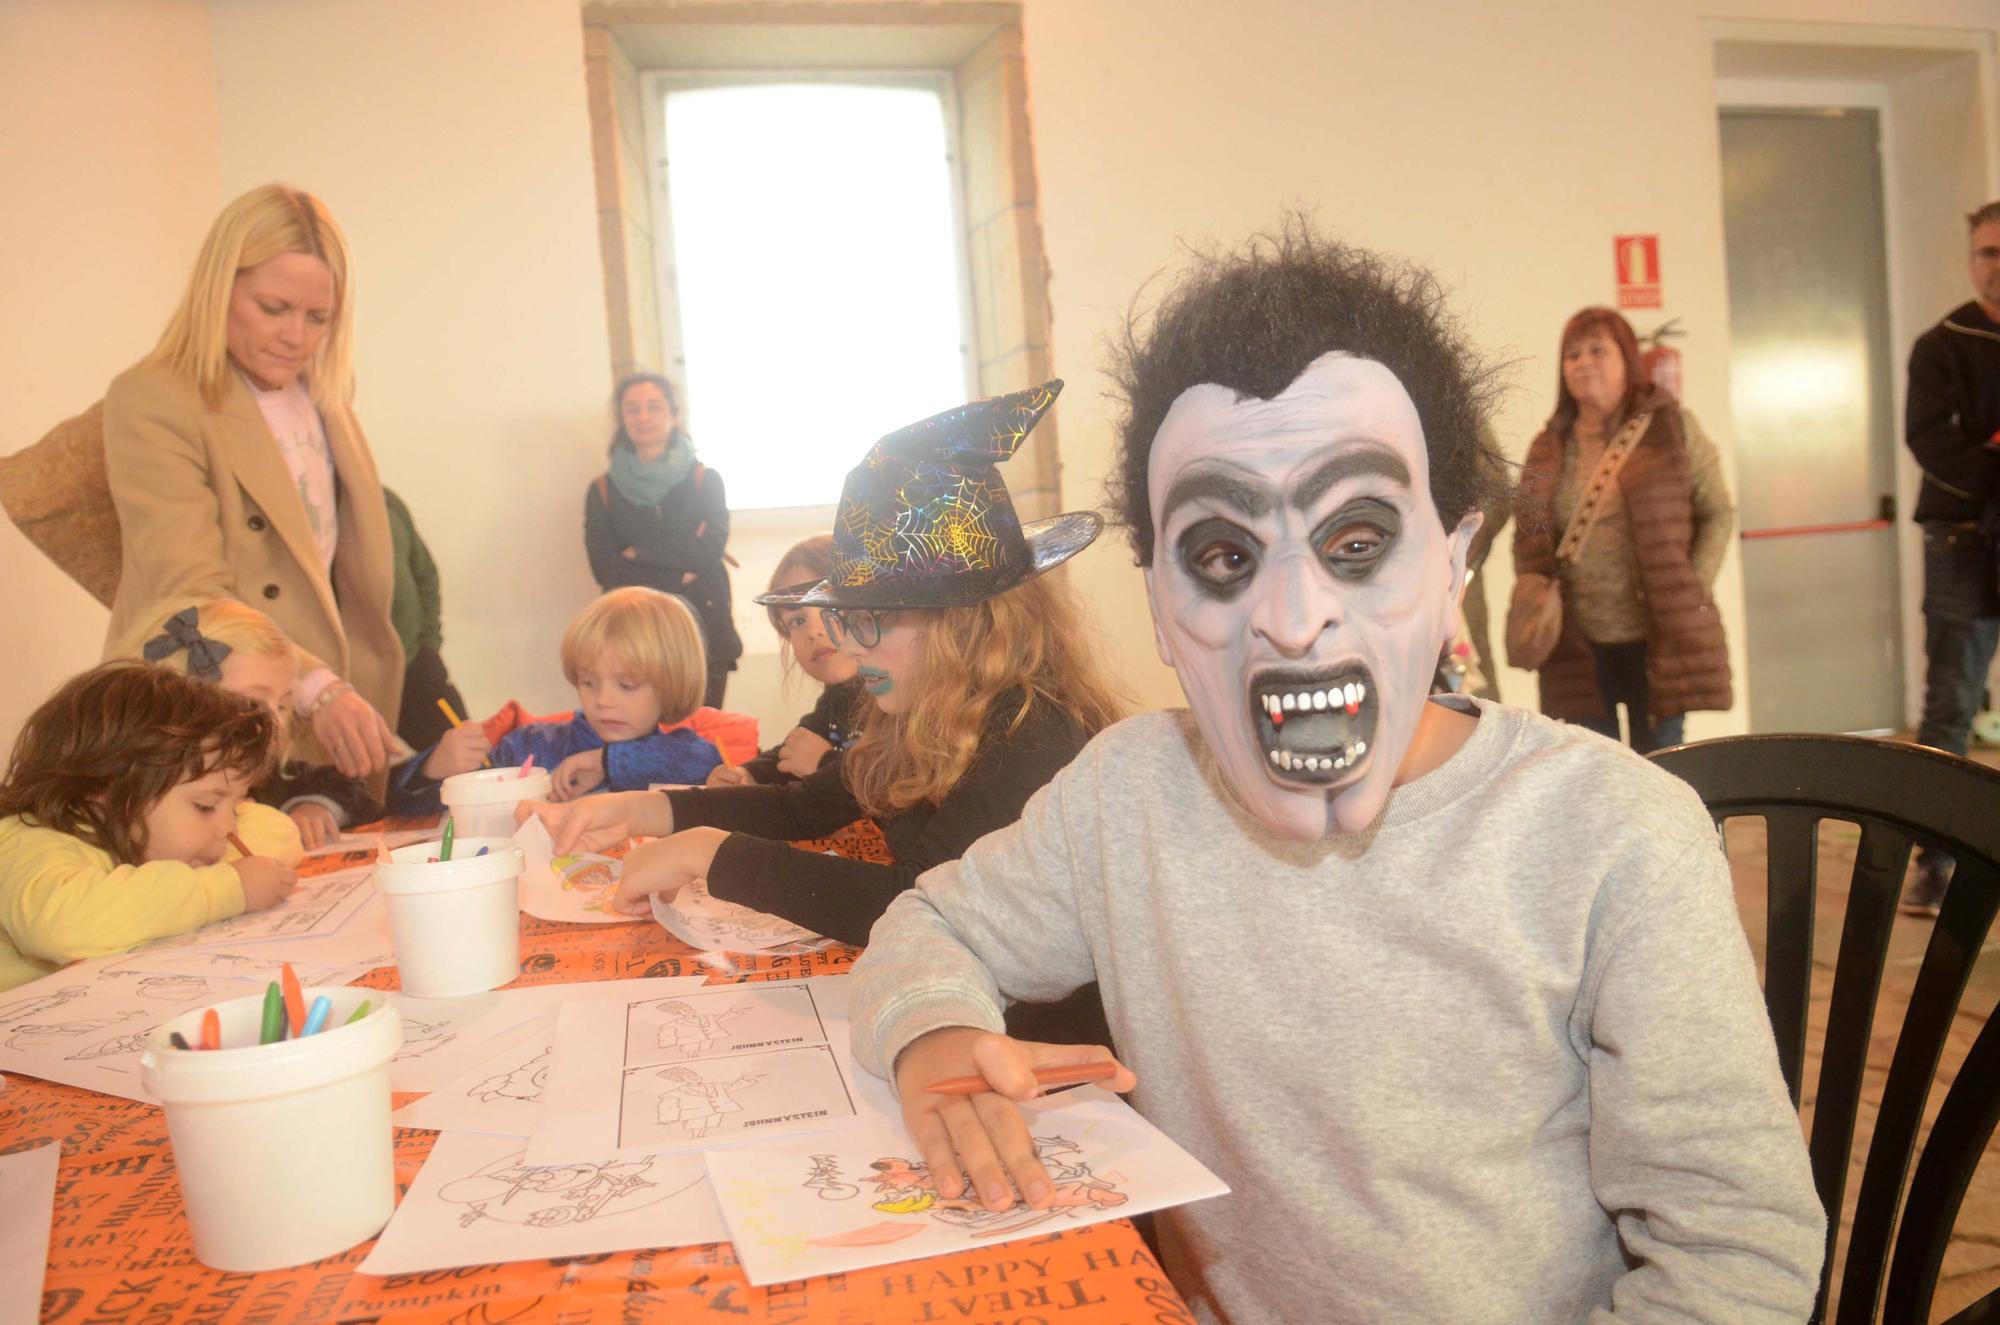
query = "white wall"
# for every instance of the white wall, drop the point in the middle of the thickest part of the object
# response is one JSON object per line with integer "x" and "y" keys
{"x": 1501, "y": 145}
{"x": 451, "y": 141}
{"x": 107, "y": 132}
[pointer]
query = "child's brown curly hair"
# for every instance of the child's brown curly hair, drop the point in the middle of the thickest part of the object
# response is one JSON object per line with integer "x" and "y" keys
{"x": 104, "y": 748}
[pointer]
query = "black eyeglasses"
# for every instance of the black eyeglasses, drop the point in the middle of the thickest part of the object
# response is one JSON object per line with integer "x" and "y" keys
{"x": 861, "y": 624}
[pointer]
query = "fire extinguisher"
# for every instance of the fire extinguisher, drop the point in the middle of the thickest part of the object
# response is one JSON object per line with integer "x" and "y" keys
{"x": 1663, "y": 361}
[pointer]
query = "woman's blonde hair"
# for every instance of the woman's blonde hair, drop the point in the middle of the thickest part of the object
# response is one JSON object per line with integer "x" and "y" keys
{"x": 1032, "y": 639}
{"x": 242, "y": 627}
{"x": 267, "y": 221}
{"x": 652, "y": 633}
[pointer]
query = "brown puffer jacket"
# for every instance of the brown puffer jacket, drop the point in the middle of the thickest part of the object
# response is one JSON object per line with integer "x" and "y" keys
{"x": 1687, "y": 663}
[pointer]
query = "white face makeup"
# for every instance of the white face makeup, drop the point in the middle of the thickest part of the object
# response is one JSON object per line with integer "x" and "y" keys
{"x": 1303, "y": 586}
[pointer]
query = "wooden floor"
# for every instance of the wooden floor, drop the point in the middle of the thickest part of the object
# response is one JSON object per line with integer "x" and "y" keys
{"x": 1972, "y": 1265}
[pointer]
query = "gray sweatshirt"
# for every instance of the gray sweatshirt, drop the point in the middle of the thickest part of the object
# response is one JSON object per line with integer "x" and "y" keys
{"x": 1502, "y": 1057}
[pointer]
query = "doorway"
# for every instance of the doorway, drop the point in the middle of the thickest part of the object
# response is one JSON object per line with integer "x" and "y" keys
{"x": 1812, "y": 396}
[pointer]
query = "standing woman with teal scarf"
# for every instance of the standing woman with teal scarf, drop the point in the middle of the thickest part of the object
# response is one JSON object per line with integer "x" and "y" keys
{"x": 658, "y": 518}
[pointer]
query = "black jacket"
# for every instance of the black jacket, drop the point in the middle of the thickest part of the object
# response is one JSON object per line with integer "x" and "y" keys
{"x": 1953, "y": 409}
{"x": 686, "y": 532}
{"x": 832, "y": 720}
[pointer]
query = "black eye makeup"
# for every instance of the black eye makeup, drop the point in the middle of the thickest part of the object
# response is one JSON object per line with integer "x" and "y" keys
{"x": 1356, "y": 537}
{"x": 1220, "y": 556}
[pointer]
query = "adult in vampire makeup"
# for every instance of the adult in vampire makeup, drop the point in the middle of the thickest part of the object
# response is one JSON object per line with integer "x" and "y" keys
{"x": 1454, "y": 997}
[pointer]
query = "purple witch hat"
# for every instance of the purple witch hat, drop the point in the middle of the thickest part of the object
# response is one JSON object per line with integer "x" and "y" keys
{"x": 925, "y": 519}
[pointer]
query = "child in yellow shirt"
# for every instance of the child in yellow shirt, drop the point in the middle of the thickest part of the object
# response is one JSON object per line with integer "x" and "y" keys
{"x": 115, "y": 817}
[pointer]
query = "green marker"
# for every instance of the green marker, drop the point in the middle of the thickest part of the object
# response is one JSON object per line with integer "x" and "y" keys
{"x": 444, "y": 847}
{"x": 273, "y": 1028}
{"x": 357, "y": 1014}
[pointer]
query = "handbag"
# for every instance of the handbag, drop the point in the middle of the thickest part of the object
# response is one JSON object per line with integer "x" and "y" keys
{"x": 1535, "y": 610}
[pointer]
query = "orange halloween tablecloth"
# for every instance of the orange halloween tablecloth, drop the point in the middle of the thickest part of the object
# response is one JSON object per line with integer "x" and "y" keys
{"x": 119, "y": 1252}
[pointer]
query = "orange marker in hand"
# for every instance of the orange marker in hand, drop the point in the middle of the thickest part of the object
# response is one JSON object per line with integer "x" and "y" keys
{"x": 295, "y": 999}
{"x": 1046, "y": 1076}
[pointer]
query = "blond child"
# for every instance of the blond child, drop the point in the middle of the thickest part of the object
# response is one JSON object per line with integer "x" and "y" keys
{"x": 830, "y": 726}
{"x": 635, "y": 657}
{"x": 233, "y": 645}
{"x": 115, "y": 817}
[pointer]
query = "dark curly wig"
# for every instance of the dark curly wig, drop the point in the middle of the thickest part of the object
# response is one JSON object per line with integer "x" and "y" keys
{"x": 1254, "y": 320}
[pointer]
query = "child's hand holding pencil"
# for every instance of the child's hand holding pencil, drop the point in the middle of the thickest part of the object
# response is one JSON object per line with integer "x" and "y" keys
{"x": 983, "y": 1134}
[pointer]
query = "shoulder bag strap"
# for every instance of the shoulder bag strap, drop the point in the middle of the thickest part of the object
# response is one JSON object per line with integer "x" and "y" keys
{"x": 1597, "y": 491}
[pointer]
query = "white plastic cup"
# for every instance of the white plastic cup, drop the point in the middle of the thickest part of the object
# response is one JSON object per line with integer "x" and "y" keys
{"x": 456, "y": 923}
{"x": 284, "y": 1151}
{"x": 481, "y": 803}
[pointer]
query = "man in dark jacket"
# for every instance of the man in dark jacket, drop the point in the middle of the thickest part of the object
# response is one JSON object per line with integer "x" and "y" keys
{"x": 1952, "y": 425}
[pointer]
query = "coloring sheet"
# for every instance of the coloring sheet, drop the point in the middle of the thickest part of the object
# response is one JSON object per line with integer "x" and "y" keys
{"x": 444, "y": 1036}
{"x": 319, "y": 905}
{"x": 477, "y": 1201}
{"x": 828, "y": 1204}
{"x": 709, "y": 924}
{"x": 28, "y": 1195}
{"x": 501, "y": 1094}
{"x": 576, "y": 888}
{"x": 727, "y": 1065}
{"x": 83, "y": 1027}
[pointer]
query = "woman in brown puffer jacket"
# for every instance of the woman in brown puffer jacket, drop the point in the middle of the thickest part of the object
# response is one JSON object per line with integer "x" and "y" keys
{"x": 1640, "y": 627}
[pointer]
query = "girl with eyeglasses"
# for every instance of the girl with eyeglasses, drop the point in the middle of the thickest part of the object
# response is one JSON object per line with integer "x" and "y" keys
{"x": 978, "y": 680}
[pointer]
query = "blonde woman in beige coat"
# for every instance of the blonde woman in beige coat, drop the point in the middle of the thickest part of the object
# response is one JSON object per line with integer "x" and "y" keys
{"x": 239, "y": 471}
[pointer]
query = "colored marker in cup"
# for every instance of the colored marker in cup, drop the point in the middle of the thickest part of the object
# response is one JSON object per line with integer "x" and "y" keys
{"x": 295, "y": 999}
{"x": 527, "y": 766}
{"x": 272, "y": 1027}
{"x": 357, "y": 1014}
{"x": 322, "y": 1008}
{"x": 211, "y": 1030}
{"x": 444, "y": 847}
{"x": 177, "y": 1040}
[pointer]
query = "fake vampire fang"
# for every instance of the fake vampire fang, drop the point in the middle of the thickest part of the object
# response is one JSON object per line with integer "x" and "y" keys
{"x": 1314, "y": 726}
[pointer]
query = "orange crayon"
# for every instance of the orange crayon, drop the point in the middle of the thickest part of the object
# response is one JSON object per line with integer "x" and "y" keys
{"x": 241, "y": 850}
{"x": 211, "y": 1030}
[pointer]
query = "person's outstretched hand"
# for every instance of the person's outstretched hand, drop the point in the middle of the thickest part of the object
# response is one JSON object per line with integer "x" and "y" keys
{"x": 599, "y": 823}
{"x": 984, "y": 1136}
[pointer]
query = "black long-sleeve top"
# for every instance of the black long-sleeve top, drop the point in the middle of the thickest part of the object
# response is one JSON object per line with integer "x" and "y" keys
{"x": 686, "y": 533}
{"x": 842, "y": 898}
{"x": 831, "y": 719}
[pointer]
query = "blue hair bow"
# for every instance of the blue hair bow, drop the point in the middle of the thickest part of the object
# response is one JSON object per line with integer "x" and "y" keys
{"x": 204, "y": 655}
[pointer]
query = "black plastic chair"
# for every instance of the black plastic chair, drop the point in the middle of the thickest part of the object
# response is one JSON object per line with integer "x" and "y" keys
{"x": 1901, "y": 796}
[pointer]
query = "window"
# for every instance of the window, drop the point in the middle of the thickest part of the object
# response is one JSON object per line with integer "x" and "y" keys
{"x": 816, "y": 278}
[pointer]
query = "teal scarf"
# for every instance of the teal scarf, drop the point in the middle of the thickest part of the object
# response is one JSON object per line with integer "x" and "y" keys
{"x": 647, "y": 482}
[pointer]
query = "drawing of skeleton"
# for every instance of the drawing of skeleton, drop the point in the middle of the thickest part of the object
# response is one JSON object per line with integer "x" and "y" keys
{"x": 697, "y": 1103}
{"x": 54, "y": 1034}
{"x": 691, "y": 1032}
{"x": 522, "y": 1083}
{"x": 546, "y": 1196}
{"x": 36, "y": 1004}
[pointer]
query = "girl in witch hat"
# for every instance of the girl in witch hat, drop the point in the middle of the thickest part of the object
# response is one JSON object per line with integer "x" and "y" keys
{"x": 979, "y": 684}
